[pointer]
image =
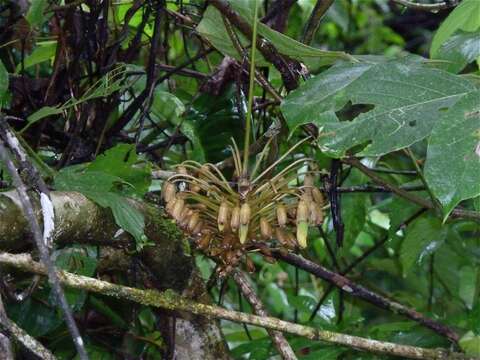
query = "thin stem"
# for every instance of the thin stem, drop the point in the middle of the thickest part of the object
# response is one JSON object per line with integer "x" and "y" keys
{"x": 249, "y": 117}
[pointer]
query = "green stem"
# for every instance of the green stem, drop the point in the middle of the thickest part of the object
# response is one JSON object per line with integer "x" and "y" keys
{"x": 249, "y": 117}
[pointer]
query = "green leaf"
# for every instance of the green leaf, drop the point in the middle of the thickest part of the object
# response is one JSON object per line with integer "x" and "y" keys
{"x": 35, "y": 15}
{"x": 464, "y": 17}
{"x": 423, "y": 238}
{"x": 3, "y": 83}
{"x": 470, "y": 343}
{"x": 408, "y": 97}
{"x": 45, "y": 51}
{"x": 452, "y": 168}
{"x": 37, "y": 317}
{"x": 120, "y": 162}
{"x": 78, "y": 260}
{"x": 212, "y": 28}
{"x": 42, "y": 113}
{"x": 126, "y": 215}
{"x": 460, "y": 50}
{"x": 74, "y": 179}
{"x": 468, "y": 285}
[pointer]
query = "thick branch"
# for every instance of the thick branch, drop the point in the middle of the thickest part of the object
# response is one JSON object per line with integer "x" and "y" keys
{"x": 171, "y": 301}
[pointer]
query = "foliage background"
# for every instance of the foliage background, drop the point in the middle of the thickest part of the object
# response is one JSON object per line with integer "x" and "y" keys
{"x": 70, "y": 74}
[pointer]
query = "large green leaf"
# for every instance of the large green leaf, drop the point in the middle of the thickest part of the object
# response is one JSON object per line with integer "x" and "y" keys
{"x": 423, "y": 237}
{"x": 452, "y": 168}
{"x": 213, "y": 29}
{"x": 466, "y": 16}
{"x": 408, "y": 97}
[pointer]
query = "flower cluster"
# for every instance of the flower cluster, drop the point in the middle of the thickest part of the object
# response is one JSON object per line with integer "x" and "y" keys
{"x": 226, "y": 218}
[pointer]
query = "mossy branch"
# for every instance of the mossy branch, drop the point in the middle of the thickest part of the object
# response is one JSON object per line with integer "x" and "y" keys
{"x": 171, "y": 301}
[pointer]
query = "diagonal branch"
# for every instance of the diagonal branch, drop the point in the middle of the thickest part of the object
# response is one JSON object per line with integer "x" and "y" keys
{"x": 171, "y": 301}
{"x": 365, "y": 294}
{"x": 247, "y": 290}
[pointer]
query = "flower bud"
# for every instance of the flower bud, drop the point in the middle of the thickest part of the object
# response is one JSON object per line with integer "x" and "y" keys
{"x": 281, "y": 215}
{"x": 222, "y": 218}
{"x": 193, "y": 221}
{"x": 308, "y": 182}
{"x": 169, "y": 207}
{"x": 318, "y": 196}
{"x": 185, "y": 217}
{"x": 204, "y": 240}
{"x": 302, "y": 211}
{"x": 235, "y": 220}
{"x": 178, "y": 208}
{"x": 245, "y": 213}
{"x": 265, "y": 229}
{"x": 168, "y": 191}
{"x": 182, "y": 170}
{"x": 198, "y": 228}
{"x": 302, "y": 233}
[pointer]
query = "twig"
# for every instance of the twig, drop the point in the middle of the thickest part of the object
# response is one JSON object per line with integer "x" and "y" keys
{"x": 171, "y": 301}
{"x": 359, "y": 291}
{"x": 426, "y": 7}
{"x": 459, "y": 213}
{"x": 318, "y": 13}
{"x": 42, "y": 241}
{"x": 247, "y": 290}
{"x": 13, "y": 330}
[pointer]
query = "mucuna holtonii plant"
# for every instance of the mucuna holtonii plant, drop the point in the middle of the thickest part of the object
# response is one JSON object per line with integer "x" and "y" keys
{"x": 227, "y": 220}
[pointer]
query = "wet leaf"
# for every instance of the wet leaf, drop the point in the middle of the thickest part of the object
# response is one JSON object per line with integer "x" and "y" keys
{"x": 452, "y": 168}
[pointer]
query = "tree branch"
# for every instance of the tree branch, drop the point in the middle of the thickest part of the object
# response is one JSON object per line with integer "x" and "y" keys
{"x": 171, "y": 301}
{"x": 247, "y": 290}
{"x": 13, "y": 330}
{"x": 425, "y": 7}
{"x": 318, "y": 12}
{"x": 359, "y": 291}
{"x": 458, "y": 213}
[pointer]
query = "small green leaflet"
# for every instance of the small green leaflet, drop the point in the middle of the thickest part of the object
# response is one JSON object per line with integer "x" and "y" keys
{"x": 35, "y": 15}
{"x": 452, "y": 168}
{"x": 44, "y": 51}
{"x": 423, "y": 238}
{"x": 466, "y": 17}
{"x": 408, "y": 96}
